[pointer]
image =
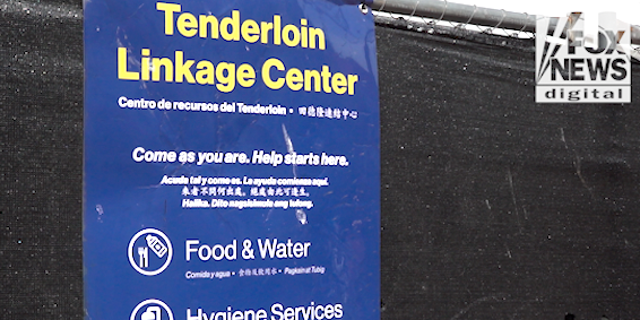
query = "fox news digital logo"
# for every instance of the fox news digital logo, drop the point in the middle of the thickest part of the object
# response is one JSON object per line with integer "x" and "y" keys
{"x": 575, "y": 67}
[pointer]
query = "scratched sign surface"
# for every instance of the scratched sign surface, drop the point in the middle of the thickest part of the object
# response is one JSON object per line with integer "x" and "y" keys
{"x": 231, "y": 160}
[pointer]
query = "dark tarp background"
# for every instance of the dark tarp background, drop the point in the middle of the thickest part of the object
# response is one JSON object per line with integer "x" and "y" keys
{"x": 493, "y": 207}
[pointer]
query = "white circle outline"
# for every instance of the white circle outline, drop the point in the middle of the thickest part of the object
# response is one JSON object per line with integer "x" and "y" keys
{"x": 149, "y": 301}
{"x": 130, "y": 251}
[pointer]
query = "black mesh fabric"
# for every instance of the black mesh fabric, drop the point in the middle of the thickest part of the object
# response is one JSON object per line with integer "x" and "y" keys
{"x": 41, "y": 79}
{"x": 493, "y": 206}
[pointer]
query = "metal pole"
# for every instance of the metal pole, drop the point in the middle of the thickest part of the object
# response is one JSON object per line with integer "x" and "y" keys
{"x": 455, "y": 12}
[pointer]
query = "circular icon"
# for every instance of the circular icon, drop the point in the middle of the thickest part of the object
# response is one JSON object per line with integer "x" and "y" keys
{"x": 150, "y": 252}
{"x": 155, "y": 310}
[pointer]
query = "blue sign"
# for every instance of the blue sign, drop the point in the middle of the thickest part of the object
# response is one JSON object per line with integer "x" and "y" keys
{"x": 231, "y": 161}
